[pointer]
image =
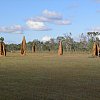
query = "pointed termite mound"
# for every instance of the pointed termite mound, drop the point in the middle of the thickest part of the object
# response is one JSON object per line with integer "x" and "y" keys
{"x": 33, "y": 47}
{"x": 2, "y": 49}
{"x": 60, "y": 49}
{"x": 96, "y": 49}
{"x": 23, "y": 46}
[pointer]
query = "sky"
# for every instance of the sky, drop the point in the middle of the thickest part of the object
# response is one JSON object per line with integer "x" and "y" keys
{"x": 45, "y": 19}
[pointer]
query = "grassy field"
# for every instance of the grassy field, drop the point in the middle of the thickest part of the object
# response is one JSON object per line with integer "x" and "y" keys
{"x": 47, "y": 76}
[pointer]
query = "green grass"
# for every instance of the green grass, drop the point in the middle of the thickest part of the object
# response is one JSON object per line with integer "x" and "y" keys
{"x": 47, "y": 76}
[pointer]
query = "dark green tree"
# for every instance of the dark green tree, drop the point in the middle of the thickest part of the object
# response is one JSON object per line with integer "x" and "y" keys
{"x": 1, "y": 39}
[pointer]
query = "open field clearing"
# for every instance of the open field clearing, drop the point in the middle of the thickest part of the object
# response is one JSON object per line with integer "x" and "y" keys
{"x": 46, "y": 76}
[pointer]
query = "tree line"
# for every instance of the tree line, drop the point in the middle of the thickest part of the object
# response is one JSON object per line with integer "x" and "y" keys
{"x": 85, "y": 43}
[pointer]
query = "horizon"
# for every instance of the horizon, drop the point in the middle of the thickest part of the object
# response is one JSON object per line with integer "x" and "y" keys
{"x": 47, "y": 19}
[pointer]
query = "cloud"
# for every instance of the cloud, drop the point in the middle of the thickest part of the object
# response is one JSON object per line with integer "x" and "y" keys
{"x": 12, "y": 29}
{"x": 40, "y": 19}
{"x": 94, "y": 29}
{"x": 38, "y": 26}
{"x": 46, "y": 38}
{"x": 51, "y": 17}
{"x": 38, "y": 23}
{"x": 63, "y": 22}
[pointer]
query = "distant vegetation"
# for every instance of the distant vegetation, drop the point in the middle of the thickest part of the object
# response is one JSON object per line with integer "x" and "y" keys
{"x": 85, "y": 43}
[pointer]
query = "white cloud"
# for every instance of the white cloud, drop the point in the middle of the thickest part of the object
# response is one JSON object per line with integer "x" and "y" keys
{"x": 41, "y": 19}
{"x": 94, "y": 29}
{"x": 39, "y": 26}
{"x": 46, "y": 38}
{"x": 63, "y": 22}
{"x": 38, "y": 23}
{"x": 99, "y": 37}
{"x": 52, "y": 15}
{"x": 12, "y": 29}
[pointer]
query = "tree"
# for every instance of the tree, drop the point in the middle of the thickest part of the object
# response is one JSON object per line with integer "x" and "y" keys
{"x": 83, "y": 41}
{"x": 52, "y": 44}
{"x": 68, "y": 40}
{"x": 29, "y": 46}
{"x": 93, "y": 35}
{"x": 2, "y": 39}
{"x": 38, "y": 44}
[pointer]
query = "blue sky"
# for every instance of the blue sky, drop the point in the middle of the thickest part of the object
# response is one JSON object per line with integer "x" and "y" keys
{"x": 42, "y": 19}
